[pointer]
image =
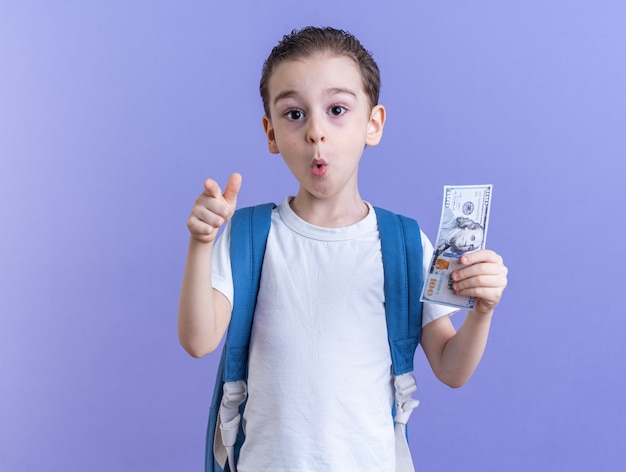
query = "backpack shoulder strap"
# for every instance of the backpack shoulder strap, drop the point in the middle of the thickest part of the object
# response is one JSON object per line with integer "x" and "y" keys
{"x": 401, "y": 246}
{"x": 248, "y": 235}
{"x": 249, "y": 230}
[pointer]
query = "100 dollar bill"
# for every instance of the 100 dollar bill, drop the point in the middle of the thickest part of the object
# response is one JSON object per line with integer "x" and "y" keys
{"x": 462, "y": 229}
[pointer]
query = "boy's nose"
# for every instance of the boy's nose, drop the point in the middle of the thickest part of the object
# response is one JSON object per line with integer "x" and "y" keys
{"x": 315, "y": 131}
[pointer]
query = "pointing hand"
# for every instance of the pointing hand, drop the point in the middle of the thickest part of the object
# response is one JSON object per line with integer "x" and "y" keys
{"x": 213, "y": 208}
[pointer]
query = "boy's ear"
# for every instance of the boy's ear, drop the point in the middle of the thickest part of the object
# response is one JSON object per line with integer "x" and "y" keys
{"x": 375, "y": 125}
{"x": 271, "y": 137}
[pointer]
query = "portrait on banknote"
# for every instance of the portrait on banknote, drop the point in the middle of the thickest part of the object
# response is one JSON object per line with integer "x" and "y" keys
{"x": 459, "y": 234}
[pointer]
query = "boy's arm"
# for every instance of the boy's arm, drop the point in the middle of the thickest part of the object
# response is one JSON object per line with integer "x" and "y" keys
{"x": 453, "y": 355}
{"x": 204, "y": 313}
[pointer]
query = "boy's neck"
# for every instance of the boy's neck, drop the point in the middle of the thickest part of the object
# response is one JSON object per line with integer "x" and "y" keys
{"x": 329, "y": 213}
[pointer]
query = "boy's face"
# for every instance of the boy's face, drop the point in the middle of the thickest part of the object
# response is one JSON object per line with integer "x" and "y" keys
{"x": 321, "y": 120}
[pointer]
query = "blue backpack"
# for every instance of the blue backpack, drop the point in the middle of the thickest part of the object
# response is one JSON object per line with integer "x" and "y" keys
{"x": 402, "y": 267}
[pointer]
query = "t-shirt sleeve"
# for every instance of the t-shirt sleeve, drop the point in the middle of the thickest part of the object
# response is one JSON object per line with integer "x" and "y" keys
{"x": 220, "y": 269}
{"x": 431, "y": 311}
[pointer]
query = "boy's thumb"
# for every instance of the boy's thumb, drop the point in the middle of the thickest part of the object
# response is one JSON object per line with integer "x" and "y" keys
{"x": 232, "y": 188}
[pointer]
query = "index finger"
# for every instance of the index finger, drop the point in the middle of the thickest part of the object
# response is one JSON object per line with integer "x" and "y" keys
{"x": 212, "y": 189}
{"x": 484, "y": 255}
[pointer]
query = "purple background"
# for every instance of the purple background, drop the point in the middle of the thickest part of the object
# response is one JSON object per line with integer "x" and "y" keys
{"x": 111, "y": 115}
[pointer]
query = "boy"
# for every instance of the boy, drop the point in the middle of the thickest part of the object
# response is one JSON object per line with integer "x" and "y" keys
{"x": 321, "y": 296}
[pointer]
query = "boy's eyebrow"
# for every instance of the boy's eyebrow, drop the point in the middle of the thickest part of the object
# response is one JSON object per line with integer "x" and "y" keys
{"x": 284, "y": 94}
{"x": 331, "y": 91}
{"x": 338, "y": 90}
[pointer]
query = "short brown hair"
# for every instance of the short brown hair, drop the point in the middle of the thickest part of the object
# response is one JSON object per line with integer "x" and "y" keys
{"x": 308, "y": 41}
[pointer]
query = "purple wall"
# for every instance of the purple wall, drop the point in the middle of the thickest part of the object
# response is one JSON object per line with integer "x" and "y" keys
{"x": 112, "y": 114}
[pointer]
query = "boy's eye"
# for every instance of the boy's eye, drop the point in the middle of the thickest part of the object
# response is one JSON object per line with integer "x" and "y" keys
{"x": 294, "y": 115}
{"x": 337, "y": 110}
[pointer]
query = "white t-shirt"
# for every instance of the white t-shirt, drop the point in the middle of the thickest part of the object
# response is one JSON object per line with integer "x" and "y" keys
{"x": 320, "y": 382}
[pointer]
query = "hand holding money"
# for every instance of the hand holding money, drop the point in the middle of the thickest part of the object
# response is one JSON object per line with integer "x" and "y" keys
{"x": 462, "y": 230}
{"x": 482, "y": 278}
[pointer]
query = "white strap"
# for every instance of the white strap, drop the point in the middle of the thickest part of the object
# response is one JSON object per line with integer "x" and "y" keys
{"x": 405, "y": 386}
{"x": 228, "y": 419}
{"x": 234, "y": 394}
